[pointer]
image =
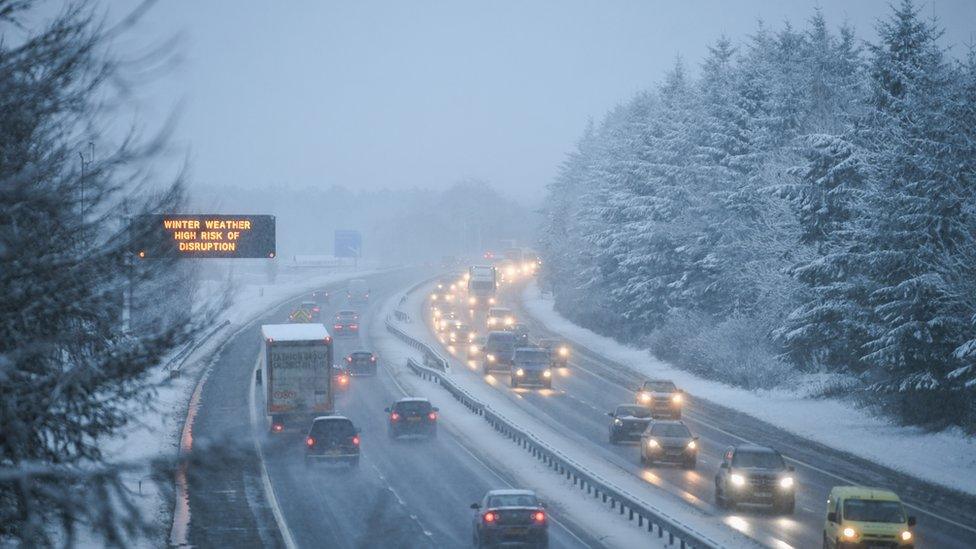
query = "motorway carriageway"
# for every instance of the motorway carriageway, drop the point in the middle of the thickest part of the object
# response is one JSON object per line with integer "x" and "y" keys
{"x": 405, "y": 493}
{"x": 584, "y": 392}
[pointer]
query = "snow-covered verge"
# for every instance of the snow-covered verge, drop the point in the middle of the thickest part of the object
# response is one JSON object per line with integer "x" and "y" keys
{"x": 156, "y": 432}
{"x": 831, "y": 422}
{"x": 544, "y": 479}
{"x": 568, "y": 502}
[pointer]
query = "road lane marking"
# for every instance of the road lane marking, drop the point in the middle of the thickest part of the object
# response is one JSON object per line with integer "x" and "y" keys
{"x": 269, "y": 491}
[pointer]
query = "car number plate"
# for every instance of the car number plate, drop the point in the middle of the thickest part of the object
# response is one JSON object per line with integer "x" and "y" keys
{"x": 674, "y": 452}
{"x": 762, "y": 494}
{"x": 517, "y": 531}
{"x": 413, "y": 419}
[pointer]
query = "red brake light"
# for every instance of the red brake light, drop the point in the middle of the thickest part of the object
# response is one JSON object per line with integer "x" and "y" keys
{"x": 539, "y": 516}
{"x": 309, "y": 441}
{"x": 348, "y": 359}
{"x": 277, "y": 427}
{"x": 372, "y": 358}
{"x": 338, "y": 326}
{"x": 394, "y": 416}
{"x": 355, "y": 440}
{"x": 432, "y": 416}
{"x": 315, "y": 309}
{"x": 354, "y": 326}
{"x": 490, "y": 517}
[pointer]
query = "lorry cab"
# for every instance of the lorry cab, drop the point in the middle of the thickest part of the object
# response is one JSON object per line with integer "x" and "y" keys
{"x": 859, "y": 516}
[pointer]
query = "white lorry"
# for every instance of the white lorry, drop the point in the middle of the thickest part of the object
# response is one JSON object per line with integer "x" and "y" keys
{"x": 297, "y": 361}
{"x": 482, "y": 283}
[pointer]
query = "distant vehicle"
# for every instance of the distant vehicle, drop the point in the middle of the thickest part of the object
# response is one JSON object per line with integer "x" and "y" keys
{"x": 662, "y": 397}
{"x": 498, "y": 350}
{"x": 628, "y": 422}
{"x": 756, "y": 475}
{"x": 297, "y": 364}
{"x": 482, "y": 285}
{"x": 521, "y": 332}
{"x": 531, "y": 367}
{"x": 412, "y": 416}
{"x": 346, "y": 323}
{"x": 558, "y": 350}
{"x": 361, "y": 363}
{"x": 332, "y": 439}
{"x": 357, "y": 291}
{"x": 669, "y": 441}
{"x": 322, "y": 296}
{"x": 476, "y": 346}
{"x": 445, "y": 321}
{"x": 499, "y": 318}
{"x": 510, "y": 516}
{"x": 313, "y": 308}
{"x": 858, "y": 516}
{"x": 461, "y": 333}
{"x": 340, "y": 377}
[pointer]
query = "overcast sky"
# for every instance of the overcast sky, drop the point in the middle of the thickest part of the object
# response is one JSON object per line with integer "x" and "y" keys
{"x": 372, "y": 94}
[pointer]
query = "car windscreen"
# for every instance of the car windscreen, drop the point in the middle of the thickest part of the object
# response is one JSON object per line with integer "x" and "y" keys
{"x": 333, "y": 428}
{"x": 532, "y": 356}
{"x": 413, "y": 407}
{"x": 660, "y": 386}
{"x": 504, "y": 342}
{"x": 361, "y": 356}
{"x": 481, "y": 285}
{"x": 670, "y": 430}
{"x": 513, "y": 500}
{"x": 633, "y": 411}
{"x": 346, "y": 315}
{"x": 498, "y": 313}
{"x": 871, "y": 510}
{"x": 764, "y": 460}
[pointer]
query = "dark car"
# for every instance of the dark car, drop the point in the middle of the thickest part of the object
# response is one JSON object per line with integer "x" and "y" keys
{"x": 510, "y": 517}
{"x": 346, "y": 323}
{"x": 755, "y": 475}
{"x": 357, "y": 291}
{"x": 521, "y": 332}
{"x": 313, "y": 308}
{"x": 558, "y": 349}
{"x": 669, "y": 441}
{"x": 530, "y": 367}
{"x": 361, "y": 363}
{"x": 340, "y": 377}
{"x": 662, "y": 397}
{"x": 332, "y": 439}
{"x": 322, "y": 296}
{"x": 628, "y": 422}
{"x": 412, "y": 416}
{"x": 498, "y": 351}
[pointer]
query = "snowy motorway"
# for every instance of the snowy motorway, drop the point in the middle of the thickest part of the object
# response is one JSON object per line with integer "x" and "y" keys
{"x": 405, "y": 493}
{"x": 583, "y": 393}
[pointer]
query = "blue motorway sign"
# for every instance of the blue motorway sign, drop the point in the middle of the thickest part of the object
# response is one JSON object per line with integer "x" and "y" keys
{"x": 348, "y": 243}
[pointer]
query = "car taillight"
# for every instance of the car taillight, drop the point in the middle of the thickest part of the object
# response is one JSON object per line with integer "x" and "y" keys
{"x": 343, "y": 380}
{"x": 432, "y": 416}
{"x": 539, "y": 516}
{"x": 372, "y": 359}
{"x": 338, "y": 326}
{"x": 355, "y": 441}
{"x": 348, "y": 359}
{"x": 315, "y": 309}
{"x": 490, "y": 517}
{"x": 309, "y": 441}
{"x": 277, "y": 427}
{"x": 394, "y": 416}
{"x": 354, "y": 326}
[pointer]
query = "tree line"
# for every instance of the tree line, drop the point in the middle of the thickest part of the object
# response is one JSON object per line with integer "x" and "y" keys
{"x": 800, "y": 214}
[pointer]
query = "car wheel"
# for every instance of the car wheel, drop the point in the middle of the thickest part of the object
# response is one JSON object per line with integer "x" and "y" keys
{"x": 514, "y": 382}
{"x": 484, "y": 369}
{"x": 786, "y": 508}
{"x": 825, "y": 545}
{"x": 354, "y": 462}
{"x": 643, "y": 458}
{"x": 719, "y": 497}
{"x": 433, "y": 433}
{"x": 691, "y": 464}
{"x": 613, "y": 439}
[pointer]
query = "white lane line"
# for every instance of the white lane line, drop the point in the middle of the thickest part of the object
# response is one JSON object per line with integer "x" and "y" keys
{"x": 400, "y": 500}
{"x": 269, "y": 491}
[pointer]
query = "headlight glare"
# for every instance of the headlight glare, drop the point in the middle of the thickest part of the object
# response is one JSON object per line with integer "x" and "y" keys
{"x": 786, "y": 482}
{"x": 906, "y": 535}
{"x": 737, "y": 479}
{"x": 547, "y": 373}
{"x": 677, "y": 398}
{"x": 850, "y": 533}
{"x": 692, "y": 445}
{"x": 520, "y": 372}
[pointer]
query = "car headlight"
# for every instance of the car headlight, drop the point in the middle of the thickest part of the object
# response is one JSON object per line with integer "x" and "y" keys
{"x": 645, "y": 397}
{"x": 472, "y": 301}
{"x": 850, "y": 533}
{"x": 492, "y": 301}
{"x": 547, "y": 373}
{"x": 492, "y": 321}
{"x": 520, "y": 372}
{"x": 906, "y": 535}
{"x": 473, "y": 349}
{"x": 737, "y": 479}
{"x": 617, "y": 422}
{"x": 491, "y": 358}
{"x": 692, "y": 445}
{"x": 786, "y": 483}
{"x": 676, "y": 398}
{"x": 433, "y": 297}
{"x": 652, "y": 443}
{"x": 563, "y": 351}
{"x": 509, "y": 321}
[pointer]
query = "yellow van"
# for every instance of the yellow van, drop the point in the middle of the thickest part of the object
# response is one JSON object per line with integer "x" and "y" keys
{"x": 866, "y": 518}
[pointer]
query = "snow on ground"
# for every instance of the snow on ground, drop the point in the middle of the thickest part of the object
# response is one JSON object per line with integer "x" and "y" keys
{"x": 156, "y": 432}
{"x": 481, "y": 434}
{"x": 567, "y": 502}
{"x": 828, "y": 421}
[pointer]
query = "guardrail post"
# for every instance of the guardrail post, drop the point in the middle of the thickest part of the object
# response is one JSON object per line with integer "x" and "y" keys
{"x": 670, "y": 537}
